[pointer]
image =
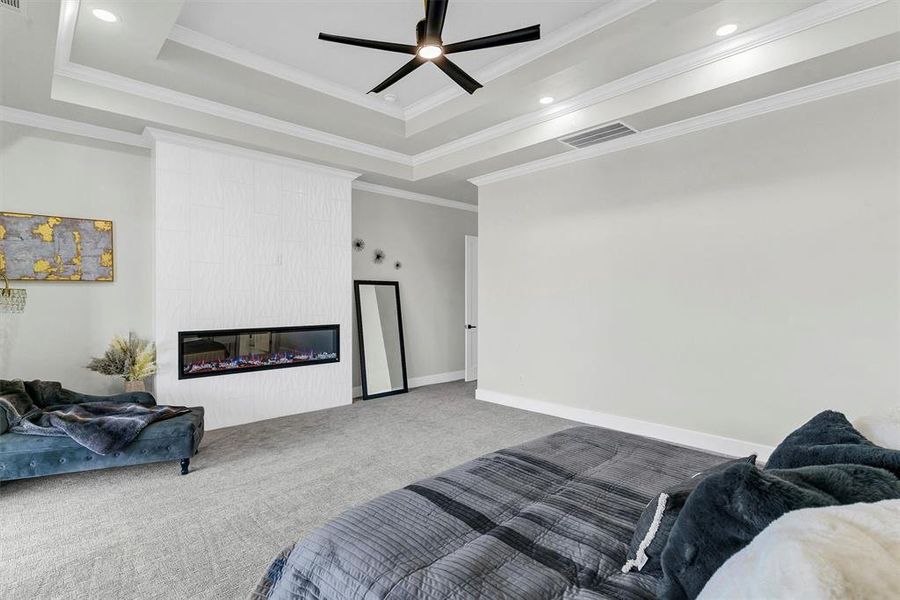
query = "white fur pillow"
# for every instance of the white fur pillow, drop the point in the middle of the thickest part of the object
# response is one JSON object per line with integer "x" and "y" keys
{"x": 881, "y": 429}
{"x": 830, "y": 553}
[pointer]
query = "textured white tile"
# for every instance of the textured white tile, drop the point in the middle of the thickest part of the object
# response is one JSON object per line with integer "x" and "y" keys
{"x": 321, "y": 234}
{"x": 239, "y": 309}
{"x": 266, "y": 227}
{"x": 207, "y": 291}
{"x": 172, "y": 272}
{"x": 207, "y": 178}
{"x": 172, "y": 194}
{"x": 240, "y": 169}
{"x": 238, "y": 271}
{"x": 263, "y": 252}
{"x": 207, "y": 246}
{"x": 267, "y": 278}
{"x": 342, "y": 213}
{"x": 294, "y": 179}
{"x": 172, "y": 315}
{"x": 318, "y": 207}
{"x": 267, "y": 191}
{"x": 206, "y": 219}
{"x": 268, "y": 266}
{"x": 295, "y": 259}
{"x": 207, "y": 237}
{"x": 295, "y": 217}
{"x": 238, "y": 205}
{"x": 172, "y": 157}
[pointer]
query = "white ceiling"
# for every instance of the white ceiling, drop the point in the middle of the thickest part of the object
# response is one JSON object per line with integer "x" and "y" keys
{"x": 287, "y": 32}
{"x": 239, "y": 80}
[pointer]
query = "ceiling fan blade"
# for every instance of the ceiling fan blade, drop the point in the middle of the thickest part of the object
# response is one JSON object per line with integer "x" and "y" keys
{"x": 456, "y": 74}
{"x": 389, "y": 46}
{"x": 435, "y": 12}
{"x": 398, "y": 75}
{"x": 526, "y": 34}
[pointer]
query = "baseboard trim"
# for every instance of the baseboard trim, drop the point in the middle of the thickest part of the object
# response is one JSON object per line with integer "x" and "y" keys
{"x": 676, "y": 435}
{"x": 415, "y": 382}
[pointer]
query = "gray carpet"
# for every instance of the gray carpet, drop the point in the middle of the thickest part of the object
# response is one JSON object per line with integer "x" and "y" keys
{"x": 146, "y": 532}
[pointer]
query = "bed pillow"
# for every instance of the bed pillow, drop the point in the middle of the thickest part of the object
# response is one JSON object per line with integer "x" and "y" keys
{"x": 729, "y": 509}
{"x": 830, "y": 439}
{"x": 833, "y": 552}
{"x": 659, "y": 515}
{"x": 882, "y": 429}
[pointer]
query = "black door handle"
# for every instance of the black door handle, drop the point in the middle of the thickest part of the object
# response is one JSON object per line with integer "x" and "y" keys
{"x": 471, "y": 327}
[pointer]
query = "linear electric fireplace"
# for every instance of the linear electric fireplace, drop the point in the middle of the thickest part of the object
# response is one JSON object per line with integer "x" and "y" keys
{"x": 222, "y": 351}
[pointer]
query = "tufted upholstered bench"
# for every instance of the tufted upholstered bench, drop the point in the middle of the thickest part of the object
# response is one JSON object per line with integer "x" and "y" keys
{"x": 173, "y": 439}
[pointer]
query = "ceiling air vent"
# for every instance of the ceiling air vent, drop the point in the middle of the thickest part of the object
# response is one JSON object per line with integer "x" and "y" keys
{"x": 598, "y": 135}
{"x": 15, "y": 5}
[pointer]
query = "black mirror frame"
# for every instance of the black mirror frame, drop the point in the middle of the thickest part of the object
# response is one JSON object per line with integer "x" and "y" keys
{"x": 362, "y": 344}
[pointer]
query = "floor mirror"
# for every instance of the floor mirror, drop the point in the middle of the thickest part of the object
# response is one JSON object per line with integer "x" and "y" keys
{"x": 379, "y": 323}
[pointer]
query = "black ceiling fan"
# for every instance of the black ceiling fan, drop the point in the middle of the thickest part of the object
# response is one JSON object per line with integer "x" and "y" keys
{"x": 430, "y": 47}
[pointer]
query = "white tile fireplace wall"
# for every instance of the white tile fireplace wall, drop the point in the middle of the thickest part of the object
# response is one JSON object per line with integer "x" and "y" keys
{"x": 246, "y": 239}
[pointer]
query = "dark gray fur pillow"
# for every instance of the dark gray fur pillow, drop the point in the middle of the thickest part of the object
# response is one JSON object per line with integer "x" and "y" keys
{"x": 659, "y": 516}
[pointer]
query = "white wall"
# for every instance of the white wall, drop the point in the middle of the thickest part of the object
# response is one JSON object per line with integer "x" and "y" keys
{"x": 65, "y": 323}
{"x": 734, "y": 281}
{"x": 429, "y": 241}
{"x": 249, "y": 240}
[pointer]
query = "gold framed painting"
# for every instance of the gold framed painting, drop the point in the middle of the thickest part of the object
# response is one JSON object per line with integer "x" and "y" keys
{"x": 49, "y": 248}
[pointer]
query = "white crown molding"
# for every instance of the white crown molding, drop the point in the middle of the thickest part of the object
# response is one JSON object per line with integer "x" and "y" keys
{"x": 209, "y": 45}
{"x": 65, "y": 32}
{"x": 606, "y": 15}
{"x": 155, "y": 136}
{"x": 597, "y": 19}
{"x": 815, "y": 15}
{"x": 818, "y": 91}
{"x": 168, "y": 96}
{"x": 63, "y": 66}
{"x": 684, "y": 437}
{"x": 414, "y": 196}
{"x": 50, "y": 123}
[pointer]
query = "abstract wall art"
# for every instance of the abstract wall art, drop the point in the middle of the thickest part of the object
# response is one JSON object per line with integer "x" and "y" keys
{"x": 42, "y": 247}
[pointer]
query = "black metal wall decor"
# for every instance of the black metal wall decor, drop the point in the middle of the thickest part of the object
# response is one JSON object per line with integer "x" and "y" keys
{"x": 359, "y": 244}
{"x": 398, "y": 265}
{"x": 379, "y": 256}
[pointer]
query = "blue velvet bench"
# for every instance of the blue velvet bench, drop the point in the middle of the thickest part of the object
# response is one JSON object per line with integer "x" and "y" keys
{"x": 172, "y": 439}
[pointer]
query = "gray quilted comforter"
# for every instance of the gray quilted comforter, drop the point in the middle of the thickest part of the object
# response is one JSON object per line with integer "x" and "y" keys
{"x": 551, "y": 518}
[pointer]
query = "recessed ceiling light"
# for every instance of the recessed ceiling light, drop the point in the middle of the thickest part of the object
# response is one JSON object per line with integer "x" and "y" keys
{"x": 430, "y": 52}
{"x": 104, "y": 15}
{"x": 546, "y": 100}
{"x": 390, "y": 98}
{"x": 727, "y": 29}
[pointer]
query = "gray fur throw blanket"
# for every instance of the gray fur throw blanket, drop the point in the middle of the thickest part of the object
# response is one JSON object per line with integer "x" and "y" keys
{"x": 102, "y": 427}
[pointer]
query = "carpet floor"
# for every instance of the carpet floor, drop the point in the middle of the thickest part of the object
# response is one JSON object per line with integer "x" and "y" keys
{"x": 145, "y": 532}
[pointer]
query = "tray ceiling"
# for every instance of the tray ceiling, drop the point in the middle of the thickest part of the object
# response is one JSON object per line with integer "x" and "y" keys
{"x": 286, "y": 32}
{"x": 254, "y": 74}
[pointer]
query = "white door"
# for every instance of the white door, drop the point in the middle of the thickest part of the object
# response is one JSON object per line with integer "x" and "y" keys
{"x": 471, "y": 323}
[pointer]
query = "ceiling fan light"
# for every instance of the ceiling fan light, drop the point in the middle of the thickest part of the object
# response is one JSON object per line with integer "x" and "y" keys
{"x": 429, "y": 52}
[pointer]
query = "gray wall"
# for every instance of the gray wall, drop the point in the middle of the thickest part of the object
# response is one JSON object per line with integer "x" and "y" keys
{"x": 65, "y": 323}
{"x": 429, "y": 241}
{"x": 733, "y": 281}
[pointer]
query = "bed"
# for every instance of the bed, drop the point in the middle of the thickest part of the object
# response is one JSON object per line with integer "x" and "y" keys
{"x": 551, "y": 518}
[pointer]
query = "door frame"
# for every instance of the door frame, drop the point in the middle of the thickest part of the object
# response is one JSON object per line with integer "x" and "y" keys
{"x": 471, "y": 329}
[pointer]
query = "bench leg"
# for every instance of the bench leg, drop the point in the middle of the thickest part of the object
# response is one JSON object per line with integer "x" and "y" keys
{"x": 185, "y": 462}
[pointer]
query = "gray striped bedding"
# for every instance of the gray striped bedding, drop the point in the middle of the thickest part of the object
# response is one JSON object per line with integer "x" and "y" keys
{"x": 551, "y": 518}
